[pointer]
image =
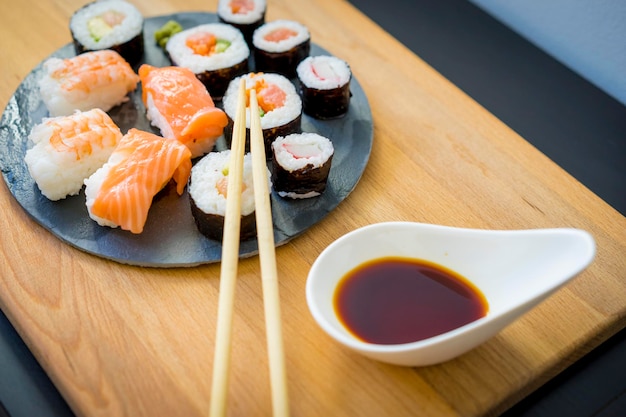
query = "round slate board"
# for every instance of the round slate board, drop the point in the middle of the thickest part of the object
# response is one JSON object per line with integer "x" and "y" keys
{"x": 170, "y": 237}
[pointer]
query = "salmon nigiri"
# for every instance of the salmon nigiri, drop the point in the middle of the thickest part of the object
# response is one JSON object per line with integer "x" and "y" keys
{"x": 120, "y": 193}
{"x": 181, "y": 107}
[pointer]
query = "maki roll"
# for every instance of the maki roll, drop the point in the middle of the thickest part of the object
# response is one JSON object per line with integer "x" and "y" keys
{"x": 301, "y": 164}
{"x": 324, "y": 86}
{"x": 279, "y": 104}
{"x": 99, "y": 79}
{"x": 109, "y": 24}
{"x": 208, "y": 186}
{"x": 245, "y": 15}
{"x": 68, "y": 149}
{"x": 279, "y": 46}
{"x": 215, "y": 52}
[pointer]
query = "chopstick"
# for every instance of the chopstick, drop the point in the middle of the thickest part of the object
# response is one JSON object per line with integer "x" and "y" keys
{"x": 230, "y": 258}
{"x": 267, "y": 256}
{"x": 229, "y": 263}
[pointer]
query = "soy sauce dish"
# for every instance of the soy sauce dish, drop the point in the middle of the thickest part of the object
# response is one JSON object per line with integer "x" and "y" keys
{"x": 417, "y": 294}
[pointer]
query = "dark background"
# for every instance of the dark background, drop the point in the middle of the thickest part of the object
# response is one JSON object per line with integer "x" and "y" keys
{"x": 574, "y": 123}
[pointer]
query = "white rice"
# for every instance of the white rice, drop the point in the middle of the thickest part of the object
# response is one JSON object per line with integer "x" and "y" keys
{"x": 93, "y": 184}
{"x": 183, "y": 56}
{"x": 259, "y": 41}
{"x": 314, "y": 150}
{"x": 60, "y": 173}
{"x": 208, "y": 172}
{"x": 226, "y": 13}
{"x": 131, "y": 26}
{"x": 277, "y": 117}
{"x": 323, "y": 72}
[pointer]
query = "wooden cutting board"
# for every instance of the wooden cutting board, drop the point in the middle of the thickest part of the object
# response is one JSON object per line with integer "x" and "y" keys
{"x": 130, "y": 341}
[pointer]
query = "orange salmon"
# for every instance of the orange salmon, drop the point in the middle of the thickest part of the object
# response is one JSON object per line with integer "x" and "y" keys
{"x": 241, "y": 6}
{"x": 121, "y": 192}
{"x": 280, "y": 34}
{"x": 270, "y": 96}
{"x": 181, "y": 107}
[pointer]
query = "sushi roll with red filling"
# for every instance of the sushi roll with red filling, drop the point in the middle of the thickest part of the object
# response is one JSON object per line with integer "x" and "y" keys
{"x": 215, "y": 52}
{"x": 279, "y": 104}
{"x": 280, "y": 45}
{"x": 324, "y": 86}
{"x": 301, "y": 164}
{"x": 208, "y": 189}
{"x": 245, "y": 15}
{"x": 109, "y": 24}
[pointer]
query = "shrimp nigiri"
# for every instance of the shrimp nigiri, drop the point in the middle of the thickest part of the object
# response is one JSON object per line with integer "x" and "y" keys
{"x": 69, "y": 149}
{"x": 100, "y": 79}
{"x": 120, "y": 193}
{"x": 181, "y": 107}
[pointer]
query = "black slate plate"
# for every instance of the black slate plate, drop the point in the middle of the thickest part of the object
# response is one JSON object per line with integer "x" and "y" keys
{"x": 170, "y": 237}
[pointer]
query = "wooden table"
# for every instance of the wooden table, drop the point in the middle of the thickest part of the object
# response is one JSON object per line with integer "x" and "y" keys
{"x": 129, "y": 341}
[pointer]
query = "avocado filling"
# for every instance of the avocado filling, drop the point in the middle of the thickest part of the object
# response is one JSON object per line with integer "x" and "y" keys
{"x": 101, "y": 25}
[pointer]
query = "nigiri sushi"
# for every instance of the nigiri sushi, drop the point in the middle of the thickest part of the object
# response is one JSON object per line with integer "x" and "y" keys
{"x": 100, "y": 79}
{"x": 120, "y": 193}
{"x": 181, "y": 107}
{"x": 68, "y": 149}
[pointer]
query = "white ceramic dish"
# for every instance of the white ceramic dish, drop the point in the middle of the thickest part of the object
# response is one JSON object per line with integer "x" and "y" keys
{"x": 515, "y": 270}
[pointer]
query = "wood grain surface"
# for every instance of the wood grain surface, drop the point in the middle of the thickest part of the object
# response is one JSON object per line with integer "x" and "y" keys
{"x": 127, "y": 341}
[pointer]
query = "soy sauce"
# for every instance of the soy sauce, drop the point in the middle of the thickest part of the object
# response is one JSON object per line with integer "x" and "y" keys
{"x": 401, "y": 300}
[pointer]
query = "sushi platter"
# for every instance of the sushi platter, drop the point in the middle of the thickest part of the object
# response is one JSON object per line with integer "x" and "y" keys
{"x": 117, "y": 338}
{"x": 170, "y": 237}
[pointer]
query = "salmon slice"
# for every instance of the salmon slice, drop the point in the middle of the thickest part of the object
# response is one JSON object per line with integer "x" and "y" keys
{"x": 241, "y": 6}
{"x": 181, "y": 107}
{"x": 269, "y": 95}
{"x": 280, "y": 34}
{"x": 121, "y": 192}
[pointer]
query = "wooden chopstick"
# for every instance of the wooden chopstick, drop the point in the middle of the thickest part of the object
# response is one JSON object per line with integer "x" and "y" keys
{"x": 229, "y": 262}
{"x": 267, "y": 256}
